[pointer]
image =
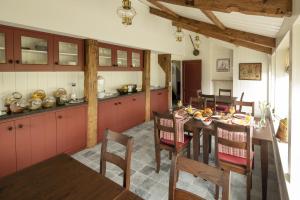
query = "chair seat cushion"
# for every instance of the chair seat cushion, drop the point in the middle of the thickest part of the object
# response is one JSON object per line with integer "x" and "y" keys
{"x": 234, "y": 159}
{"x": 187, "y": 139}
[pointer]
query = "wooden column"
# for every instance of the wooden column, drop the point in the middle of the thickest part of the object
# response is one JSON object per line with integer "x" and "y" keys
{"x": 164, "y": 60}
{"x": 146, "y": 83}
{"x": 90, "y": 89}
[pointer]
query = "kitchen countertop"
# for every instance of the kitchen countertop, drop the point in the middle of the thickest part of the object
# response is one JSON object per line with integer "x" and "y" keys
{"x": 29, "y": 112}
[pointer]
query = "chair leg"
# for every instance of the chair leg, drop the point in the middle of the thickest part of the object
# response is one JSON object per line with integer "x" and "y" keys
{"x": 170, "y": 155}
{"x": 209, "y": 144}
{"x": 249, "y": 180}
{"x": 157, "y": 157}
{"x": 217, "y": 192}
{"x": 189, "y": 150}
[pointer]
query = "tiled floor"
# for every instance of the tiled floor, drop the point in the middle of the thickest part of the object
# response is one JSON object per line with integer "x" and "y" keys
{"x": 146, "y": 183}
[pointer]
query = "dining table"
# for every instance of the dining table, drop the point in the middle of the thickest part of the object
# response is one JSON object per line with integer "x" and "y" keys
{"x": 261, "y": 136}
{"x": 227, "y": 100}
{"x": 64, "y": 178}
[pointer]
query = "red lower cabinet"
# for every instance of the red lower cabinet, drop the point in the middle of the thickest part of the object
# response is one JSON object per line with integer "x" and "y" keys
{"x": 159, "y": 101}
{"x": 71, "y": 129}
{"x": 23, "y": 143}
{"x": 120, "y": 114}
{"x": 43, "y": 137}
{"x": 8, "y": 159}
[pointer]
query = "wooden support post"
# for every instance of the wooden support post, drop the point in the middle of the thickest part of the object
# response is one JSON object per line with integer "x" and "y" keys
{"x": 164, "y": 60}
{"x": 146, "y": 83}
{"x": 90, "y": 89}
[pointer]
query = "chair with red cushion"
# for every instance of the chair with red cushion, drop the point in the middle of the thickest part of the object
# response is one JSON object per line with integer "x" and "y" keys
{"x": 223, "y": 107}
{"x": 167, "y": 136}
{"x": 233, "y": 147}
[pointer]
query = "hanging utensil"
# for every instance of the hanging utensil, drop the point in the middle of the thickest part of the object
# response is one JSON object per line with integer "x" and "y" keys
{"x": 196, "y": 52}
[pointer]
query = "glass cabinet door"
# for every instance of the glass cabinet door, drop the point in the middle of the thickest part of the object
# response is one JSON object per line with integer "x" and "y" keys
{"x": 68, "y": 53}
{"x": 122, "y": 58}
{"x": 34, "y": 51}
{"x": 2, "y": 49}
{"x": 6, "y": 49}
{"x": 105, "y": 57}
{"x": 136, "y": 59}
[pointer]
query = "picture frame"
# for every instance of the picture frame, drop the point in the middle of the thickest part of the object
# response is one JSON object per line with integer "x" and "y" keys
{"x": 250, "y": 71}
{"x": 223, "y": 65}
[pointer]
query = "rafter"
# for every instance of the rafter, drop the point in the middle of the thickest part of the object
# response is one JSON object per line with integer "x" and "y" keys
{"x": 163, "y": 8}
{"x": 275, "y": 8}
{"x": 214, "y": 19}
{"x": 209, "y": 29}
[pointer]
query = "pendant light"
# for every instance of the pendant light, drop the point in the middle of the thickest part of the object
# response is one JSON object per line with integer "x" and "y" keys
{"x": 179, "y": 34}
{"x": 126, "y": 12}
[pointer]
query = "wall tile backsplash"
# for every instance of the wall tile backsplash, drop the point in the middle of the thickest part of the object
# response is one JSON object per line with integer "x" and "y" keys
{"x": 28, "y": 82}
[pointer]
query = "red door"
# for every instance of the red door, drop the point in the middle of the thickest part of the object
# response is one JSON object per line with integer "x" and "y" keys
{"x": 6, "y": 49}
{"x": 123, "y": 115}
{"x": 106, "y": 117}
{"x": 33, "y": 51}
{"x": 61, "y": 129}
{"x": 8, "y": 163}
{"x": 139, "y": 106}
{"x": 68, "y": 54}
{"x": 23, "y": 143}
{"x": 191, "y": 79}
{"x": 43, "y": 137}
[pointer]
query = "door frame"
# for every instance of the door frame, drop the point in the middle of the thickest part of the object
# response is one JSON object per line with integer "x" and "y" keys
{"x": 183, "y": 75}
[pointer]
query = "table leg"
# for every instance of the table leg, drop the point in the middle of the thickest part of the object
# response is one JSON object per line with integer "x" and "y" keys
{"x": 206, "y": 145}
{"x": 196, "y": 144}
{"x": 264, "y": 168}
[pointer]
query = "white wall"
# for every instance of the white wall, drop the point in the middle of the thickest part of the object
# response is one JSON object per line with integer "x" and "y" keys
{"x": 95, "y": 19}
{"x": 28, "y": 82}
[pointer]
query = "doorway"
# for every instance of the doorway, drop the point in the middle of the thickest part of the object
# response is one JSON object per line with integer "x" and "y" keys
{"x": 191, "y": 78}
{"x": 176, "y": 81}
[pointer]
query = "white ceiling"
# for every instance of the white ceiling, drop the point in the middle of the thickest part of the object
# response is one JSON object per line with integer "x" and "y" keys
{"x": 267, "y": 26}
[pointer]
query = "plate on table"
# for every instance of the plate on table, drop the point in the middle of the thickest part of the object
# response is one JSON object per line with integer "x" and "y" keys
{"x": 206, "y": 121}
{"x": 240, "y": 122}
{"x": 239, "y": 116}
{"x": 216, "y": 117}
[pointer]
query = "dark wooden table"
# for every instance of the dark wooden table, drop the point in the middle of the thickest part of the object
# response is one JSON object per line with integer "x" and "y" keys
{"x": 225, "y": 100}
{"x": 262, "y": 137}
{"x": 61, "y": 177}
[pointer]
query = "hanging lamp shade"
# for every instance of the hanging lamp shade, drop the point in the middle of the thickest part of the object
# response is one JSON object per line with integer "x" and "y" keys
{"x": 126, "y": 12}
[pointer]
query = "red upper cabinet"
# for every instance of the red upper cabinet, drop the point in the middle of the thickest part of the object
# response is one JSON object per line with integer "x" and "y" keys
{"x": 33, "y": 51}
{"x": 8, "y": 160}
{"x": 6, "y": 49}
{"x": 23, "y": 143}
{"x": 68, "y": 54}
{"x": 137, "y": 58}
{"x": 107, "y": 56}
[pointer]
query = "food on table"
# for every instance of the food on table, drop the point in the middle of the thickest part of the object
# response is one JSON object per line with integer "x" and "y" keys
{"x": 207, "y": 112}
{"x": 206, "y": 121}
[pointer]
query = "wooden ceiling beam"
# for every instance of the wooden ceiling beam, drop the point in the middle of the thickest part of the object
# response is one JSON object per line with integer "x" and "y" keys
{"x": 274, "y": 8}
{"x": 214, "y": 19}
{"x": 163, "y": 8}
{"x": 212, "y": 29}
{"x": 219, "y": 36}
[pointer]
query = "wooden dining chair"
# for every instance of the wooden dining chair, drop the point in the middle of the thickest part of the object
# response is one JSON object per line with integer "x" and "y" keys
{"x": 212, "y": 174}
{"x": 171, "y": 144}
{"x": 241, "y": 104}
{"x": 197, "y": 102}
{"x": 225, "y": 92}
{"x": 233, "y": 149}
{"x": 209, "y": 101}
{"x": 123, "y": 163}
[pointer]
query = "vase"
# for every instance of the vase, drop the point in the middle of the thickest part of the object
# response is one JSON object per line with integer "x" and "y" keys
{"x": 262, "y": 122}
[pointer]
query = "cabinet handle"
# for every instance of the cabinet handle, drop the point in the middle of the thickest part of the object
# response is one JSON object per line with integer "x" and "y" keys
{"x": 20, "y": 126}
{"x": 17, "y": 61}
{"x": 159, "y": 93}
{"x": 116, "y": 103}
{"x": 56, "y": 63}
{"x": 133, "y": 99}
{"x": 120, "y": 103}
{"x": 10, "y": 61}
{"x": 10, "y": 128}
{"x": 59, "y": 117}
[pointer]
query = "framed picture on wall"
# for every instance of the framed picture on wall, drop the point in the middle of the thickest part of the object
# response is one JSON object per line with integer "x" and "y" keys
{"x": 223, "y": 65}
{"x": 250, "y": 71}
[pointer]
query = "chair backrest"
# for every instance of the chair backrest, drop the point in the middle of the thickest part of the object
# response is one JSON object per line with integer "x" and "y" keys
{"x": 219, "y": 177}
{"x": 239, "y": 104}
{"x": 209, "y": 101}
{"x": 199, "y": 93}
{"x": 123, "y": 163}
{"x": 197, "y": 102}
{"x": 234, "y": 140}
{"x": 225, "y": 92}
{"x": 164, "y": 123}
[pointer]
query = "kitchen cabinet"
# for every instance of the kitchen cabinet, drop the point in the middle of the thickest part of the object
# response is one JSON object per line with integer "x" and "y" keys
{"x": 33, "y": 50}
{"x": 43, "y": 136}
{"x": 68, "y": 54}
{"x": 159, "y": 101}
{"x": 6, "y": 49}
{"x": 8, "y": 159}
{"x": 27, "y": 140}
{"x": 71, "y": 129}
{"x": 121, "y": 113}
{"x": 118, "y": 58}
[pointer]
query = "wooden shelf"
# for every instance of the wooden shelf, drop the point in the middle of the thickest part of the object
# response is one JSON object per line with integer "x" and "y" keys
{"x": 69, "y": 54}
{"x": 34, "y": 51}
